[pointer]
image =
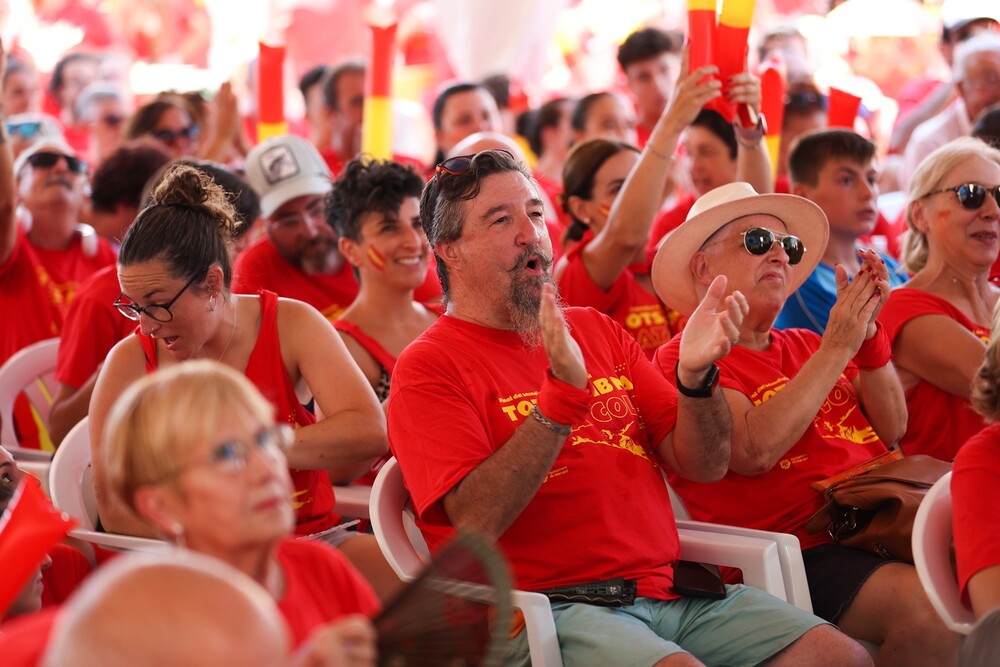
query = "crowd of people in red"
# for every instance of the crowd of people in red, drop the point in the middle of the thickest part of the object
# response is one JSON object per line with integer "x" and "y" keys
{"x": 541, "y": 326}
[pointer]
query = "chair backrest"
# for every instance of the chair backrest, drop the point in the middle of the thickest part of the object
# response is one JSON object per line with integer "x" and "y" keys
{"x": 30, "y": 371}
{"x": 393, "y": 523}
{"x": 932, "y": 531}
{"x": 71, "y": 487}
{"x": 70, "y": 481}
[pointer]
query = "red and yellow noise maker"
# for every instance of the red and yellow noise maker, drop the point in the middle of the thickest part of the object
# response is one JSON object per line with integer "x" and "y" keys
{"x": 843, "y": 109}
{"x": 271, "y": 92}
{"x": 772, "y": 105}
{"x": 701, "y": 33}
{"x": 731, "y": 51}
{"x": 377, "y": 260}
{"x": 376, "y": 128}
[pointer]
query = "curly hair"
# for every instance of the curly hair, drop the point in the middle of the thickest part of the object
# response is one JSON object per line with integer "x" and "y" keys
{"x": 369, "y": 185}
{"x": 985, "y": 395}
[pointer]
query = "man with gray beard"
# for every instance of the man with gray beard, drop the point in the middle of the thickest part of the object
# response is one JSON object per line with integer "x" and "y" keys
{"x": 551, "y": 443}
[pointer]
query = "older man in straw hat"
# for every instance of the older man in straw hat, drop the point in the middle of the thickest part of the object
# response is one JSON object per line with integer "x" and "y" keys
{"x": 804, "y": 407}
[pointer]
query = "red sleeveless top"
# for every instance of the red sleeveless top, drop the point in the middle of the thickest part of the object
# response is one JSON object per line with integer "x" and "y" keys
{"x": 313, "y": 493}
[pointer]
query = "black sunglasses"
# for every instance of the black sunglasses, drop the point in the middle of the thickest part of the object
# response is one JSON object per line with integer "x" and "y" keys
{"x": 45, "y": 160}
{"x": 456, "y": 166}
{"x": 189, "y": 133}
{"x": 156, "y": 311}
{"x": 970, "y": 195}
{"x": 758, "y": 241}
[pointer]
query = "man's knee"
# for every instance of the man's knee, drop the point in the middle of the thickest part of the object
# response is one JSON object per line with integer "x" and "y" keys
{"x": 823, "y": 645}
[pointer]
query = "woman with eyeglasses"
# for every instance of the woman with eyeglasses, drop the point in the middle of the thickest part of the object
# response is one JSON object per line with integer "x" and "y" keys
{"x": 195, "y": 451}
{"x": 167, "y": 122}
{"x": 612, "y": 192}
{"x": 939, "y": 322}
{"x": 175, "y": 276}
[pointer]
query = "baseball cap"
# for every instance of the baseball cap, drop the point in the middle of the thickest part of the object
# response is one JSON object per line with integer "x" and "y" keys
{"x": 956, "y": 14}
{"x": 283, "y": 168}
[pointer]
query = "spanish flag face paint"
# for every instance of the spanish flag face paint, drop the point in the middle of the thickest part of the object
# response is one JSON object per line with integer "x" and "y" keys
{"x": 604, "y": 210}
{"x": 376, "y": 259}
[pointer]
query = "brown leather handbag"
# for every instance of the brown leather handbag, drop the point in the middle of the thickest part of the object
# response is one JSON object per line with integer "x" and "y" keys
{"x": 874, "y": 511}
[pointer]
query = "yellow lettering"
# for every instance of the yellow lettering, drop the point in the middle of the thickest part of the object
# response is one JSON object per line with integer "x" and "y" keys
{"x": 524, "y": 407}
{"x": 602, "y": 385}
{"x": 509, "y": 410}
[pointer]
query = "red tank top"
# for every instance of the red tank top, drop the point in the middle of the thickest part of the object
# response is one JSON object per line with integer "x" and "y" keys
{"x": 313, "y": 493}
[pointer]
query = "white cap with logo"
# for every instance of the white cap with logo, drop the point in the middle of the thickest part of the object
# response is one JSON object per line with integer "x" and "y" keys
{"x": 283, "y": 168}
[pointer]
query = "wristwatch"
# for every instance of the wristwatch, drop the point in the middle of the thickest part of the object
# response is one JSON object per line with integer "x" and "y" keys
{"x": 706, "y": 388}
{"x": 750, "y": 137}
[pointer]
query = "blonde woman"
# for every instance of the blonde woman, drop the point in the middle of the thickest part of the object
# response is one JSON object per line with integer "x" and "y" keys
{"x": 216, "y": 482}
{"x": 939, "y": 322}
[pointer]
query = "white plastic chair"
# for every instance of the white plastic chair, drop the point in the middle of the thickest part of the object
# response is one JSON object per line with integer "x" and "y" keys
{"x": 392, "y": 519}
{"x": 789, "y": 552}
{"x": 352, "y": 500}
{"x": 29, "y": 370}
{"x": 932, "y": 531}
{"x": 71, "y": 487}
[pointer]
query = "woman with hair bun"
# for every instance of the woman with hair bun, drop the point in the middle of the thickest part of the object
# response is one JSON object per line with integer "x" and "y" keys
{"x": 975, "y": 502}
{"x": 175, "y": 275}
{"x": 939, "y": 322}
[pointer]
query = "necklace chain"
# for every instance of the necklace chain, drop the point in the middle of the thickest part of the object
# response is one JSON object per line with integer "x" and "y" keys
{"x": 231, "y": 334}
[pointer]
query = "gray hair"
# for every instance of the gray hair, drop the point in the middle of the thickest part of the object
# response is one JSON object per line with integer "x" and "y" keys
{"x": 94, "y": 93}
{"x": 983, "y": 42}
{"x": 442, "y": 205}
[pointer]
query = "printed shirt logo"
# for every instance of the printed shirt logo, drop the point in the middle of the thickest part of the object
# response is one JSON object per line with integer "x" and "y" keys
{"x": 838, "y": 418}
{"x": 279, "y": 163}
{"x": 649, "y": 325}
{"x": 613, "y": 420}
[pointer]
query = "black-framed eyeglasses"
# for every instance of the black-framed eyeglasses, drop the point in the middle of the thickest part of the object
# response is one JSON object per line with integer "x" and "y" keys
{"x": 47, "y": 160}
{"x": 190, "y": 133}
{"x": 759, "y": 240}
{"x": 971, "y": 196}
{"x": 154, "y": 311}
{"x": 232, "y": 456}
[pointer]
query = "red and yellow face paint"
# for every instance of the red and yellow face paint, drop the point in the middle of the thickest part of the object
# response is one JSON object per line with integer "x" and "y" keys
{"x": 376, "y": 259}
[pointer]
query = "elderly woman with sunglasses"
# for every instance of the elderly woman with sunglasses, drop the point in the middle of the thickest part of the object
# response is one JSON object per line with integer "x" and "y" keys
{"x": 804, "y": 407}
{"x": 175, "y": 275}
{"x": 196, "y": 452}
{"x": 939, "y": 322}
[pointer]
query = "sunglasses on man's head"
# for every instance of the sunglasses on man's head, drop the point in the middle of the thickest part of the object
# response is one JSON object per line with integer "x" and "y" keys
{"x": 46, "y": 160}
{"x": 189, "y": 133}
{"x": 758, "y": 241}
{"x": 462, "y": 163}
{"x": 971, "y": 196}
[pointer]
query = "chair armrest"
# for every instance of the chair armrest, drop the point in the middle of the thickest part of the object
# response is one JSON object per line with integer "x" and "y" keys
{"x": 789, "y": 556}
{"x": 116, "y": 542}
{"x": 757, "y": 558}
{"x": 352, "y": 500}
{"x": 543, "y": 644}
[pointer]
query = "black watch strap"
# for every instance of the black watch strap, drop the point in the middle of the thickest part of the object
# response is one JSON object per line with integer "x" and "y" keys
{"x": 706, "y": 388}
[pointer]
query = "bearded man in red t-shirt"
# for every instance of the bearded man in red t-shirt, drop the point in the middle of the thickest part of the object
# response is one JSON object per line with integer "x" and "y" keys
{"x": 552, "y": 443}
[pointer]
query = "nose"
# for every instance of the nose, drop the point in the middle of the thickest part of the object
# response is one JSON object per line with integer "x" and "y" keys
{"x": 530, "y": 230}
{"x": 147, "y": 325}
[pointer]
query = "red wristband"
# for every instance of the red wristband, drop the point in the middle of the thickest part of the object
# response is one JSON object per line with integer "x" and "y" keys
{"x": 561, "y": 402}
{"x": 875, "y": 352}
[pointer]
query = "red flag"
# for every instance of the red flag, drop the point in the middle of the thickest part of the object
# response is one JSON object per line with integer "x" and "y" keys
{"x": 843, "y": 109}
{"x": 701, "y": 33}
{"x": 29, "y": 527}
{"x": 731, "y": 50}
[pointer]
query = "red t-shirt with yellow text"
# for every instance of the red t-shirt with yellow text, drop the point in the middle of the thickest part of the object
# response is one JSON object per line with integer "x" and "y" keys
{"x": 638, "y": 311}
{"x": 939, "y": 421}
{"x": 459, "y": 392}
{"x": 36, "y": 286}
{"x": 780, "y": 499}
